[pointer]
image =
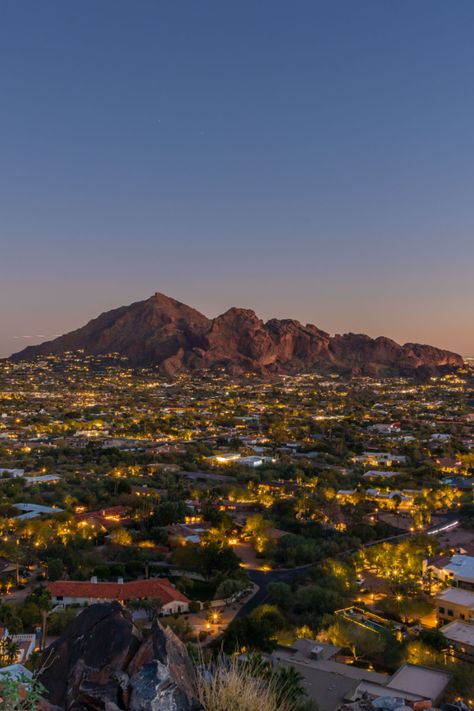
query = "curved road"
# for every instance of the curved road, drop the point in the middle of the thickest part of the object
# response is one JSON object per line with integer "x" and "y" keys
{"x": 262, "y": 580}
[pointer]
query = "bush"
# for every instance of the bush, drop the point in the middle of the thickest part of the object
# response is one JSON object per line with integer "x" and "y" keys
{"x": 219, "y": 687}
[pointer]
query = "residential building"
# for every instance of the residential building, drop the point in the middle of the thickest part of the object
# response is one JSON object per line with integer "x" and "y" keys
{"x": 331, "y": 683}
{"x": 455, "y": 604}
{"x": 457, "y": 570}
{"x": 460, "y": 636}
{"x": 72, "y": 592}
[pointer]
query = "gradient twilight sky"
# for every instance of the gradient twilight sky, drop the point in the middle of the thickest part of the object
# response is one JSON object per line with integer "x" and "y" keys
{"x": 305, "y": 158}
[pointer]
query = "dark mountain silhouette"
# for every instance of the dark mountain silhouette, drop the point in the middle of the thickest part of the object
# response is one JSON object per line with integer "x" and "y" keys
{"x": 164, "y": 332}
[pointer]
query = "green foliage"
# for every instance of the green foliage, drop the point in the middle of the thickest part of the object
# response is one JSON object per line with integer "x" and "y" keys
{"x": 361, "y": 642}
{"x": 228, "y": 587}
{"x": 41, "y": 597}
{"x": 55, "y": 568}
{"x": 120, "y": 536}
{"x": 20, "y": 694}
{"x": 434, "y": 638}
{"x": 406, "y": 608}
{"x": 210, "y": 559}
{"x": 59, "y": 621}
{"x": 281, "y": 594}
{"x": 249, "y": 633}
{"x": 271, "y": 616}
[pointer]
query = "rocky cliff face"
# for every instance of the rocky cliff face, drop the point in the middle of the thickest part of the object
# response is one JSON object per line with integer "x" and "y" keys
{"x": 101, "y": 663}
{"x": 164, "y": 332}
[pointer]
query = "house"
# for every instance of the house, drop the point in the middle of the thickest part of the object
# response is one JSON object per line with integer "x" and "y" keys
{"x": 72, "y": 592}
{"x": 275, "y": 535}
{"x": 42, "y": 479}
{"x": 392, "y": 499}
{"x": 440, "y": 437}
{"x": 35, "y": 510}
{"x": 455, "y": 604}
{"x": 255, "y": 461}
{"x": 456, "y": 570}
{"x": 385, "y": 428}
{"x": 460, "y": 483}
{"x": 411, "y": 682}
{"x": 346, "y": 496}
{"x": 192, "y": 532}
{"x": 26, "y": 644}
{"x": 447, "y": 464}
{"x": 331, "y": 683}
{"x": 224, "y": 458}
{"x": 12, "y": 473}
{"x": 460, "y": 636}
{"x": 380, "y": 474}
{"x": 378, "y": 458}
{"x": 107, "y": 517}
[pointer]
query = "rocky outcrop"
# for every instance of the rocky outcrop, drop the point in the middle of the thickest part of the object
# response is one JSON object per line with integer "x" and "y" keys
{"x": 164, "y": 332}
{"x": 101, "y": 663}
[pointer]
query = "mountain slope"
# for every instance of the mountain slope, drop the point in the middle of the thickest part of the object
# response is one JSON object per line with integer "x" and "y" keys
{"x": 162, "y": 331}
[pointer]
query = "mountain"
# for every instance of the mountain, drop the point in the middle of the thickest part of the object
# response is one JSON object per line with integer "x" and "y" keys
{"x": 164, "y": 332}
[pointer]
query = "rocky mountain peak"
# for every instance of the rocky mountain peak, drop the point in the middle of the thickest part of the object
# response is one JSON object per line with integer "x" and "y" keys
{"x": 164, "y": 332}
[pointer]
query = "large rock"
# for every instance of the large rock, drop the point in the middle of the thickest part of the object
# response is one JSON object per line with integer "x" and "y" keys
{"x": 162, "y": 663}
{"x": 162, "y": 331}
{"x": 154, "y": 690}
{"x": 101, "y": 663}
{"x": 100, "y": 642}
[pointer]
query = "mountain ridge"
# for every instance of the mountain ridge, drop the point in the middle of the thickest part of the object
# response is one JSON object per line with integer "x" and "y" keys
{"x": 176, "y": 337}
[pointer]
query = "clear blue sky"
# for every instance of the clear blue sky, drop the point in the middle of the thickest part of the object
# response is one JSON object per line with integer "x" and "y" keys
{"x": 305, "y": 158}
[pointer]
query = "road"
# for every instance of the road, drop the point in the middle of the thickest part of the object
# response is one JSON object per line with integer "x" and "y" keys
{"x": 263, "y": 579}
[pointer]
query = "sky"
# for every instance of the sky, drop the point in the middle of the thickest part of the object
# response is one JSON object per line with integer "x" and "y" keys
{"x": 305, "y": 158}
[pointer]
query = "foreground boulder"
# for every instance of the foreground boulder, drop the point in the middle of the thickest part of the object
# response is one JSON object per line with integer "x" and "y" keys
{"x": 101, "y": 663}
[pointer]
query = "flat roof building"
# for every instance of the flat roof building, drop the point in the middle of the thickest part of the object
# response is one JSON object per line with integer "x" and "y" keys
{"x": 461, "y": 636}
{"x": 455, "y": 604}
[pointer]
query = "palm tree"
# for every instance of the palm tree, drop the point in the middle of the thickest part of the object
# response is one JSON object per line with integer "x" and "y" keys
{"x": 9, "y": 651}
{"x": 41, "y": 597}
{"x": 288, "y": 684}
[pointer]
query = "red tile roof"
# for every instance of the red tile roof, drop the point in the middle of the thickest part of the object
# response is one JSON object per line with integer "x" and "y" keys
{"x": 134, "y": 590}
{"x": 107, "y": 517}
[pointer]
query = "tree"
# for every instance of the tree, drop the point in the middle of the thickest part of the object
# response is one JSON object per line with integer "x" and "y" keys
{"x": 434, "y": 638}
{"x": 228, "y": 588}
{"x": 271, "y": 615}
{"x": 406, "y": 607}
{"x": 289, "y": 687}
{"x": 121, "y": 537}
{"x": 361, "y": 641}
{"x": 55, "y": 568}
{"x": 256, "y": 529}
{"x": 8, "y": 651}
{"x": 60, "y": 620}
{"x": 281, "y": 594}
{"x": 248, "y": 633}
{"x": 41, "y": 597}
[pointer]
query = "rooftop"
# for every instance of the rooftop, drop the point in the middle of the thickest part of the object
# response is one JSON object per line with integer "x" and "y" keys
{"x": 462, "y": 632}
{"x": 457, "y": 596}
{"x": 424, "y": 681}
{"x": 134, "y": 590}
{"x": 461, "y": 566}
